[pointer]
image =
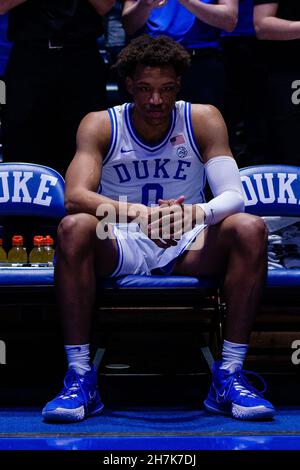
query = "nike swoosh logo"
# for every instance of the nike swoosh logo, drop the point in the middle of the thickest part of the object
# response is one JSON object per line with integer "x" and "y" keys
{"x": 126, "y": 150}
{"x": 92, "y": 395}
{"x": 219, "y": 396}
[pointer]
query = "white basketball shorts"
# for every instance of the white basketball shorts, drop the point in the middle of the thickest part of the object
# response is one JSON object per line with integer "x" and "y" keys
{"x": 140, "y": 255}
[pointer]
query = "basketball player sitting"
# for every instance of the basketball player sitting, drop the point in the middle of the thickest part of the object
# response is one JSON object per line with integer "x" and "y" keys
{"x": 135, "y": 203}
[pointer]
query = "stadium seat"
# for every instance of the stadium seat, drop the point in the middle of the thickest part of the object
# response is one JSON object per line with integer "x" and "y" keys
{"x": 31, "y": 199}
{"x": 32, "y": 196}
{"x": 274, "y": 190}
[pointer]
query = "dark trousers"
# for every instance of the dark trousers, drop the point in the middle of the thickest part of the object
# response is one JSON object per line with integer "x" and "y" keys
{"x": 282, "y": 111}
{"x": 49, "y": 91}
{"x": 204, "y": 81}
{"x": 2, "y": 107}
{"x": 245, "y": 94}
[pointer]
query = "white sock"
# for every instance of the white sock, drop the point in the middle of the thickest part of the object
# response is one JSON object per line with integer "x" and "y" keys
{"x": 78, "y": 356}
{"x": 233, "y": 355}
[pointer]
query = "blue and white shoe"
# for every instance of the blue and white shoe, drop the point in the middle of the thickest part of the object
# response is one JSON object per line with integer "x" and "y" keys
{"x": 78, "y": 399}
{"x": 232, "y": 394}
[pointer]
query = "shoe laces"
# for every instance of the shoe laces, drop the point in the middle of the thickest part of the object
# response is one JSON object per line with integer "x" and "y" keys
{"x": 72, "y": 385}
{"x": 239, "y": 381}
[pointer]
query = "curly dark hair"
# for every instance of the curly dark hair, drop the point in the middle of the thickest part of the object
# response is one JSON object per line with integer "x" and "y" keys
{"x": 147, "y": 50}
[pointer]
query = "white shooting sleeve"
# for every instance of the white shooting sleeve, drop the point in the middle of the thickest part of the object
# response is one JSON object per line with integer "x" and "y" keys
{"x": 225, "y": 183}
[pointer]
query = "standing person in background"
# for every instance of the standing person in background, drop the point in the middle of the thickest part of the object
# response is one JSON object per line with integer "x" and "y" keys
{"x": 54, "y": 77}
{"x": 245, "y": 72}
{"x": 196, "y": 25}
{"x": 114, "y": 41}
{"x": 277, "y": 24}
{"x": 115, "y": 37}
{"x": 5, "y": 47}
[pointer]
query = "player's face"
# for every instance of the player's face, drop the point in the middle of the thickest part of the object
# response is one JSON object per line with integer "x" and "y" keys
{"x": 154, "y": 91}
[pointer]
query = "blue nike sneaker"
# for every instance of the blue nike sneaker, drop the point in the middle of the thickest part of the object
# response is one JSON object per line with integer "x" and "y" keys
{"x": 232, "y": 394}
{"x": 78, "y": 399}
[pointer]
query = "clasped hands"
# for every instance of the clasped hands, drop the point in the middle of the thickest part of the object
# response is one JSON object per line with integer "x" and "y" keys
{"x": 166, "y": 223}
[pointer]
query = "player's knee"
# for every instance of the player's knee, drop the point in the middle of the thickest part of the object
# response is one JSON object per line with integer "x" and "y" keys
{"x": 251, "y": 232}
{"x": 75, "y": 232}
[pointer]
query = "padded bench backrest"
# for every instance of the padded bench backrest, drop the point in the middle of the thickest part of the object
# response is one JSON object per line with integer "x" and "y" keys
{"x": 31, "y": 190}
{"x": 274, "y": 190}
{"x": 271, "y": 190}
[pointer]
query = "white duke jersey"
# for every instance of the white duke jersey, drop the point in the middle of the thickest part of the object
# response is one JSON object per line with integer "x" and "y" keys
{"x": 144, "y": 173}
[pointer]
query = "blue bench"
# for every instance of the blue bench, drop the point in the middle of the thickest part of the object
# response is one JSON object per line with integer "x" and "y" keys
{"x": 36, "y": 191}
{"x": 29, "y": 194}
{"x": 274, "y": 190}
{"x": 30, "y": 190}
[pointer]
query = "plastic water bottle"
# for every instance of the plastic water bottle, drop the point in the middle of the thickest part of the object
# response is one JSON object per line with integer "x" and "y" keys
{"x": 18, "y": 253}
{"x": 48, "y": 250}
{"x": 37, "y": 253}
{"x": 3, "y": 254}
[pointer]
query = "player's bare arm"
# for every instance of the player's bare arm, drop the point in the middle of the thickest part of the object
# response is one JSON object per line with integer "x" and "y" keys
{"x": 84, "y": 173}
{"x": 210, "y": 131}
